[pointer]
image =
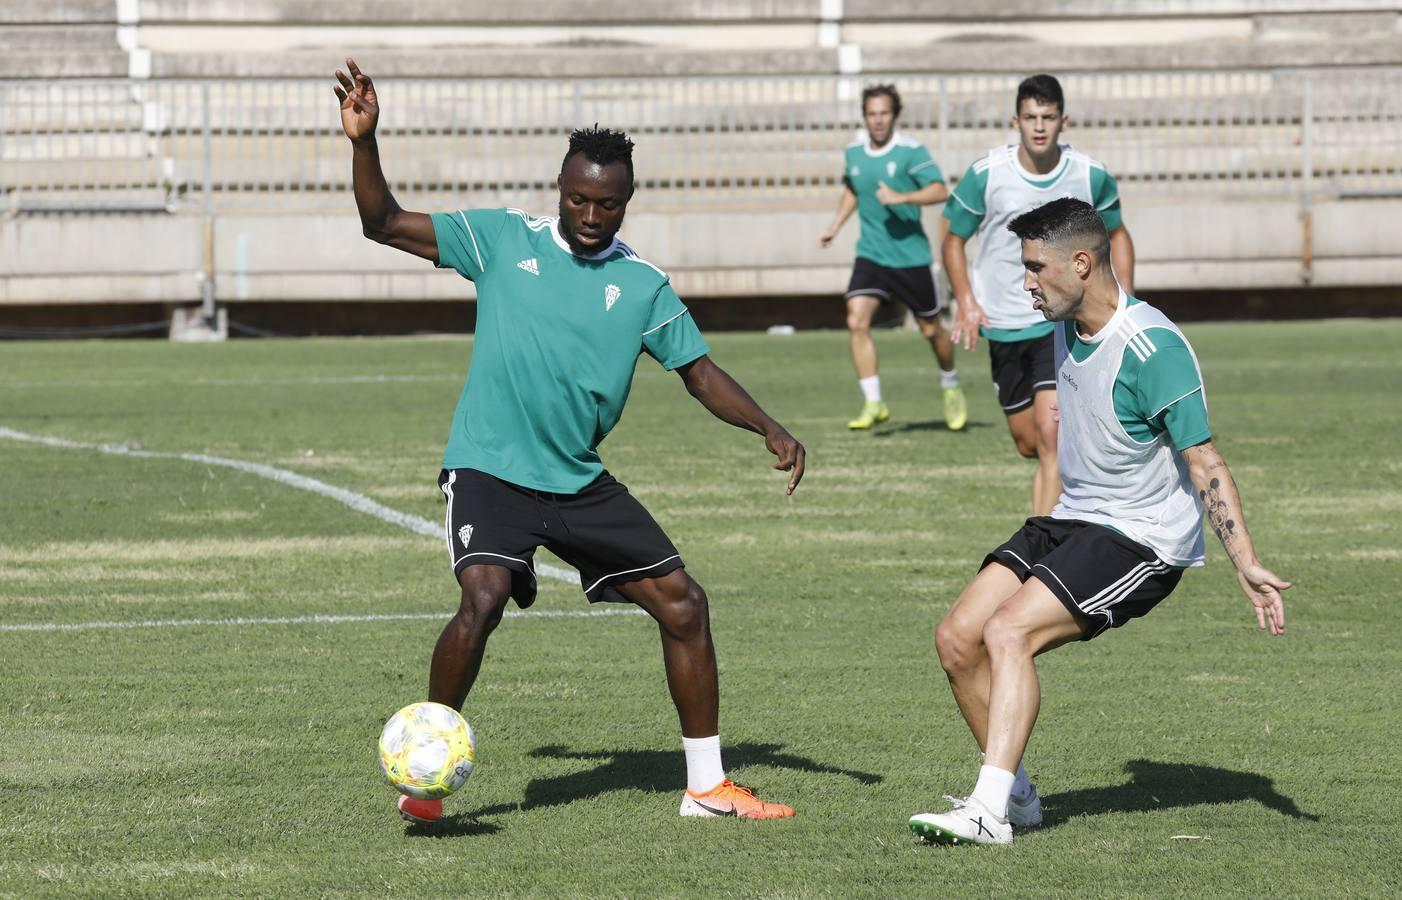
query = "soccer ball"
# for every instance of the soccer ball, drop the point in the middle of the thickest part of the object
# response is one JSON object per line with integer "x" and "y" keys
{"x": 427, "y": 750}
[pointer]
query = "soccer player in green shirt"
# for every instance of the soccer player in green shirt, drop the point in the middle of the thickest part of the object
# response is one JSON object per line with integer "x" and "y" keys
{"x": 564, "y": 311}
{"x": 886, "y": 179}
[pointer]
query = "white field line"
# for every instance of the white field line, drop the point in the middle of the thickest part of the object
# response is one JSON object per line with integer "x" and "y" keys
{"x": 242, "y": 382}
{"x": 357, "y": 502}
{"x": 311, "y": 620}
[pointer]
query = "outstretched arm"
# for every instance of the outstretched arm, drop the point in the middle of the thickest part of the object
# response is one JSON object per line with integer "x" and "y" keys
{"x": 381, "y": 218}
{"x": 1220, "y": 500}
{"x": 727, "y": 401}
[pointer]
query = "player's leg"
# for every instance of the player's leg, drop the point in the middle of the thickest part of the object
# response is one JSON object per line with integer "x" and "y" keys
{"x": 457, "y": 657}
{"x": 1046, "y": 481}
{"x": 964, "y": 657}
{"x": 679, "y": 606}
{"x": 485, "y": 519}
{"x": 623, "y": 555}
{"x": 1030, "y": 622}
{"x": 861, "y": 309}
{"x": 959, "y": 643}
{"x": 956, "y": 407}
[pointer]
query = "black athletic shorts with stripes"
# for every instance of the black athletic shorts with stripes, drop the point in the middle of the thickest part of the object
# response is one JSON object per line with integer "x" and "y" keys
{"x": 1021, "y": 369}
{"x": 602, "y": 531}
{"x": 914, "y": 286}
{"x": 1103, "y": 578}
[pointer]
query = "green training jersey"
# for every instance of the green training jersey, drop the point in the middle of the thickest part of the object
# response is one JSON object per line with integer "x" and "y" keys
{"x": 558, "y": 338}
{"x": 892, "y": 236}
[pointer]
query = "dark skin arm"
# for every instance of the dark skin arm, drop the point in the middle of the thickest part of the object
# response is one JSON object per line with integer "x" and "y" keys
{"x": 727, "y": 401}
{"x": 381, "y": 218}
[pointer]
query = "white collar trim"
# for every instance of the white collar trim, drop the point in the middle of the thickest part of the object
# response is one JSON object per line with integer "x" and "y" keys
{"x": 564, "y": 245}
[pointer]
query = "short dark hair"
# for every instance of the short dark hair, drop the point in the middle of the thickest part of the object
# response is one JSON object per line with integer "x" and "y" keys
{"x": 1042, "y": 88}
{"x": 883, "y": 90}
{"x": 602, "y": 146}
{"x": 1067, "y": 219}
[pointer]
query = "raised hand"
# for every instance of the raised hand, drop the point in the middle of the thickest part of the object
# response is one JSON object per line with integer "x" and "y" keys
{"x": 360, "y": 109}
{"x": 887, "y": 197}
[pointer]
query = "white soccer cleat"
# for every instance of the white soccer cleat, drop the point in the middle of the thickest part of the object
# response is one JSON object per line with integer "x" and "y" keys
{"x": 969, "y": 822}
{"x": 1027, "y": 812}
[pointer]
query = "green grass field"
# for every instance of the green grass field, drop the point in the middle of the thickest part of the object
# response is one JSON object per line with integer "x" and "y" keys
{"x": 238, "y": 759}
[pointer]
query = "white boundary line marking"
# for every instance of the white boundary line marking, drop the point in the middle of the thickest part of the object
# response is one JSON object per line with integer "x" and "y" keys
{"x": 312, "y": 620}
{"x": 357, "y": 502}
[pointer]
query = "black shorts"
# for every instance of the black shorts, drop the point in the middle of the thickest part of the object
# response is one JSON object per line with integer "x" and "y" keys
{"x": 915, "y": 286}
{"x": 1021, "y": 369}
{"x": 602, "y": 531}
{"x": 1102, "y": 577}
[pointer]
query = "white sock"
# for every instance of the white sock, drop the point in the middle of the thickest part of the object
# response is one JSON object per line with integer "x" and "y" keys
{"x": 871, "y": 388}
{"x": 1022, "y": 787}
{"x": 949, "y": 379}
{"x": 993, "y": 788}
{"x": 703, "y": 768}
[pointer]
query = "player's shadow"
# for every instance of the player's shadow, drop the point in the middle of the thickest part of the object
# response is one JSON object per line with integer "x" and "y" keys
{"x": 931, "y": 425}
{"x": 656, "y": 771}
{"x": 1156, "y": 785}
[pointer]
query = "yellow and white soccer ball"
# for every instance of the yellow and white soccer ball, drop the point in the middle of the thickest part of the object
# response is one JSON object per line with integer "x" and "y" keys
{"x": 427, "y": 750}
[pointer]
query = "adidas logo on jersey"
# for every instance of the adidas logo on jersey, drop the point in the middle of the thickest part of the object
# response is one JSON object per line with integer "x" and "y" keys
{"x": 611, "y": 295}
{"x": 529, "y": 265}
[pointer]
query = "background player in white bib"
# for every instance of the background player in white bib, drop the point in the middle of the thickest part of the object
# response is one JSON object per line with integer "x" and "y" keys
{"x": 1140, "y": 468}
{"x": 887, "y": 177}
{"x": 1009, "y": 181}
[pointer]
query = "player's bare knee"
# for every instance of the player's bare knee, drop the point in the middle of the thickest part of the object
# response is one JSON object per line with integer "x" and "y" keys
{"x": 685, "y": 613}
{"x": 1004, "y": 636}
{"x": 482, "y": 607}
{"x": 959, "y": 649}
{"x": 1026, "y": 445}
{"x": 858, "y": 323}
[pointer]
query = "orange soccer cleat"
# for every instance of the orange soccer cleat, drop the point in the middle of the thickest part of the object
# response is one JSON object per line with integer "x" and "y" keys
{"x": 733, "y": 800}
{"x": 422, "y": 812}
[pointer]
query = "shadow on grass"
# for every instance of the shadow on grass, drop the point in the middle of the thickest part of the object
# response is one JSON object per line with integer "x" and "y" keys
{"x": 656, "y": 771}
{"x": 887, "y": 431}
{"x": 1157, "y": 785}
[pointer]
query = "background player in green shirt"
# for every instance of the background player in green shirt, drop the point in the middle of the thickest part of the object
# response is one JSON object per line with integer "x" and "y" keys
{"x": 886, "y": 179}
{"x": 564, "y": 311}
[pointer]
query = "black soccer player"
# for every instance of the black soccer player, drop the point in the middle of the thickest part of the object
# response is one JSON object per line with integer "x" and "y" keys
{"x": 564, "y": 311}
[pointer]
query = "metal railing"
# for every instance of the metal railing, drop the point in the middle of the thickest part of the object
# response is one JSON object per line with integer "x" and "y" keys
{"x": 212, "y": 147}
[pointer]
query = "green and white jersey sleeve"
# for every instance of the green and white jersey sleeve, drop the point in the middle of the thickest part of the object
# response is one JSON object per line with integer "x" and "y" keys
{"x": 1159, "y": 389}
{"x": 1105, "y": 197}
{"x": 965, "y": 209}
{"x": 672, "y": 337}
{"x": 466, "y": 239}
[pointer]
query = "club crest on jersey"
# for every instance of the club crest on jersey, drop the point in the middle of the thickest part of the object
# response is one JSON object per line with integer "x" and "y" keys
{"x": 611, "y": 295}
{"x": 890, "y": 170}
{"x": 465, "y": 535}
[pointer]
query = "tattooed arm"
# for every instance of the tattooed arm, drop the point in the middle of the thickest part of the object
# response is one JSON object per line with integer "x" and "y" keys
{"x": 1220, "y": 501}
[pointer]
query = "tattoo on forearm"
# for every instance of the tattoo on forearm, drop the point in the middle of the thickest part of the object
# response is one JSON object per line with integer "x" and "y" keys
{"x": 1218, "y": 515}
